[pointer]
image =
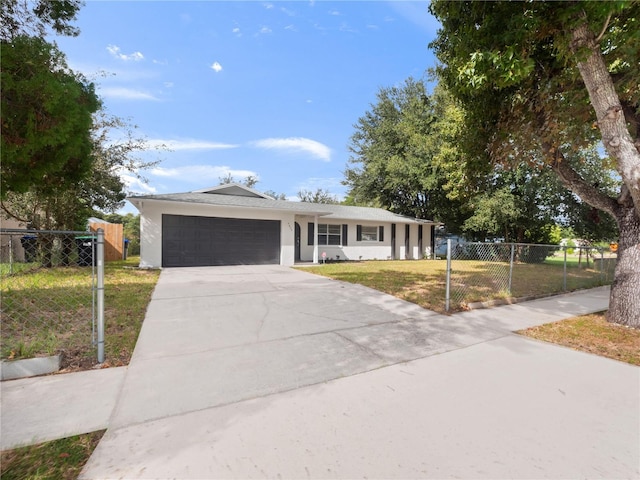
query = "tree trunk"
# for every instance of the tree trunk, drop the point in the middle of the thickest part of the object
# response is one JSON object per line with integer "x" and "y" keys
{"x": 616, "y": 137}
{"x": 624, "y": 302}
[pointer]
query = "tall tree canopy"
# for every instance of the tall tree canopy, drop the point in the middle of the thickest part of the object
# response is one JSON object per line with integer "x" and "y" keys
{"x": 33, "y": 17}
{"x": 46, "y": 117}
{"x": 403, "y": 154}
{"x": 542, "y": 80}
{"x": 60, "y": 160}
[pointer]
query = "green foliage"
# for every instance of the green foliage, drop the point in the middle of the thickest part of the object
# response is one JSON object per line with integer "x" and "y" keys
{"x": 46, "y": 118}
{"x": 276, "y": 196}
{"x": 318, "y": 196}
{"x": 68, "y": 206}
{"x": 520, "y": 204}
{"x": 130, "y": 227}
{"x": 513, "y": 65}
{"x": 20, "y": 17}
{"x": 404, "y": 155}
{"x": 249, "y": 181}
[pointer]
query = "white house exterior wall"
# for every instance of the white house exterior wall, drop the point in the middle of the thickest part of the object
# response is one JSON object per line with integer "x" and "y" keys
{"x": 359, "y": 250}
{"x": 151, "y": 227}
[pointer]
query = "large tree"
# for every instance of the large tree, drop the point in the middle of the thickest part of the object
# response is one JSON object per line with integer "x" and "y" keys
{"x": 542, "y": 80}
{"x": 519, "y": 205}
{"x": 46, "y": 116}
{"x": 404, "y": 157}
{"x": 57, "y": 202}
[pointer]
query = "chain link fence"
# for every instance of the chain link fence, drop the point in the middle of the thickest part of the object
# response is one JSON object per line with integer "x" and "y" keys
{"x": 52, "y": 287}
{"x": 479, "y": 272}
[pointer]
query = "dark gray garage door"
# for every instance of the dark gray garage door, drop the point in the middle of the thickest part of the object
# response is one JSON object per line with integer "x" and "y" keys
{"x": 208, "y": 241}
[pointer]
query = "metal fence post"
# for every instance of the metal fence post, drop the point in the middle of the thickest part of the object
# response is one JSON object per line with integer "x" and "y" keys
{"x": 100, "y": 293}
{"x": 448, "y": 283}
{"x": 564, "y": 273}
{"x": 513, "y": 250}
{"x": 11, "y": 254}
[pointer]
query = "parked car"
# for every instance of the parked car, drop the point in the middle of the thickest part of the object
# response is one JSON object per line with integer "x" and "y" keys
{"x": 441, "y": 244}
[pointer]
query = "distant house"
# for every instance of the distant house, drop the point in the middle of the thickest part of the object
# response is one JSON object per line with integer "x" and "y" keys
{"x": 235, "y": 225}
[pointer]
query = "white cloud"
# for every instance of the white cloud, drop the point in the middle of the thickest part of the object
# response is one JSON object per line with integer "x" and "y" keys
{"x": 291, "y": 28}
{"x": 135, "y": 185}
{"x": 345, "y": 27}
{"x": 296, "y": 144}
{"x": 187, "y": 144}
{"x": 114, "y": 50}
{"x": 268, "y": 6}
{"x": 335, "y": 13}
{"x": 418, "y": 14}
{"x": 126, "y": 94}
{"x": 264, "y": 30}
{"x": 236, "y": 31}
{"x": 198, "y": 174}
{"x": 216, "y": 67}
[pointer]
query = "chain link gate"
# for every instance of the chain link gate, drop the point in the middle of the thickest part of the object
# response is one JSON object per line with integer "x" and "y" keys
{"x": 52, "y": 286}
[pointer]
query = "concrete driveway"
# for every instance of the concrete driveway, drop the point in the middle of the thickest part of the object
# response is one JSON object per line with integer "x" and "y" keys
{"x": 268, "y": 372}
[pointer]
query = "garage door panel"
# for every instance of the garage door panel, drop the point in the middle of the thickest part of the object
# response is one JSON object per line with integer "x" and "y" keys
{"x": 211, "y": 241}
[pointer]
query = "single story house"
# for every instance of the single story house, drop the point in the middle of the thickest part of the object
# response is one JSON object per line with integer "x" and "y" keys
{"x": 232, "y": 224}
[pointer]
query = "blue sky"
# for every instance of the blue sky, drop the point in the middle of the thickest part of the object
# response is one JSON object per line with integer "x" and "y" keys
{"x": 269, "y": 89}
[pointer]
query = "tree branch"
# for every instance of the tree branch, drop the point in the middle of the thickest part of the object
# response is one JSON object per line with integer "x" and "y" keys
{"x": 609, "y": 111}
{"x": 604, "y": 28}
{"x": 574, "y": 182}
{"x": 10, "y": 214}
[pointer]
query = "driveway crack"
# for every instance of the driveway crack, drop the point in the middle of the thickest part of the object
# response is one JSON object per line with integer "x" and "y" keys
{"x": 264, "y": 316}
{"x": 363, "y": 348}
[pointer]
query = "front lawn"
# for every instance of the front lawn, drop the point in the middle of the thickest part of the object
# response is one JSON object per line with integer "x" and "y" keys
{"x": 423, "y": 282}
{"x": 593, "y": 334}
{"x": 47, "y": 311}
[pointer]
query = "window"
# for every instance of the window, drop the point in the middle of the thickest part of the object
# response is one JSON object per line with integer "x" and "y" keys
{"x": 329, "y": 234}
{"x": 369, "y": 234}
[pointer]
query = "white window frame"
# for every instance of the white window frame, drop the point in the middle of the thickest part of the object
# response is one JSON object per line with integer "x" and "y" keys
{"x": 328, "y": 234}
{"x": 369, "y": 233}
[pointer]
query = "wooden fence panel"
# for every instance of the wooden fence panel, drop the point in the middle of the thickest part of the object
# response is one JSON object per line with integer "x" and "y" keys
{"x": 113, "y": 240}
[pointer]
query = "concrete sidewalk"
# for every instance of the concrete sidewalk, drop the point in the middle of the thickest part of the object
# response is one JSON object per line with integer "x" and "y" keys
{"x": 46, "y": 408}
{"x": 265, "y": 371}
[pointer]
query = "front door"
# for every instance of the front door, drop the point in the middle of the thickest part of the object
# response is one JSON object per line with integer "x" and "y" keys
{"x": 297, "y": 240}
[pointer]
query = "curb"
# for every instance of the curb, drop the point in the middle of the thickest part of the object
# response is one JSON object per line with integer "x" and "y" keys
{"x": 29, "y": 367}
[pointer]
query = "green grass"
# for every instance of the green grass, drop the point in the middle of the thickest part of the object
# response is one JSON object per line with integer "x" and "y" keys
{"x": 57, "y": 460}
{"x": 424, "y": 281}
{"x": 47, "y": 311}
{"x": 593, "y": 334}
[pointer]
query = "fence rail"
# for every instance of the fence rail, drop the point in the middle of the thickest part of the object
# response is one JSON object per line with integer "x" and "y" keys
{"x": 478, "y": 272}
{"x": 52, "y": 286}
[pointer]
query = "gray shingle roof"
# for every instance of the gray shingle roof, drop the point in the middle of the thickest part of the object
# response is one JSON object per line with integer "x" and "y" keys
{"x": 338, "y": 212}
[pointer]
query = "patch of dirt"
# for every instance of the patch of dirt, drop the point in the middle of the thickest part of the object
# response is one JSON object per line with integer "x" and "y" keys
{"x": 79, "y": 360}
